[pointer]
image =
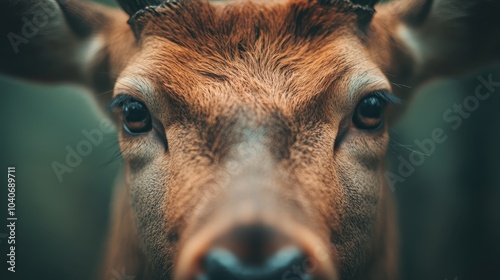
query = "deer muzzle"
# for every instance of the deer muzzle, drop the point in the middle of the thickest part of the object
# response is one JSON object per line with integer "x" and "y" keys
{"x": 257, "y": 228}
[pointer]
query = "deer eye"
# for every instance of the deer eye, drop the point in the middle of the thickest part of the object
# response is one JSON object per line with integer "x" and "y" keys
{"x": 369, "y": 113}
{"x": 136, "y": 117}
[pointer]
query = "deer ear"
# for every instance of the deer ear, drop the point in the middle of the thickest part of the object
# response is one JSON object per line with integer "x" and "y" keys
{"x": 419, "y": 40}
{"x": 63, "y": 41}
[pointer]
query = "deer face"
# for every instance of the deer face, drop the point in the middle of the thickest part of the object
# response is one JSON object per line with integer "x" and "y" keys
{"x": 253, "y": 136}
{"x": 253, "y": 132}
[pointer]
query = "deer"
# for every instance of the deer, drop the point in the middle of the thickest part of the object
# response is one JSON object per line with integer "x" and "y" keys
{"x": 253, "y": 133}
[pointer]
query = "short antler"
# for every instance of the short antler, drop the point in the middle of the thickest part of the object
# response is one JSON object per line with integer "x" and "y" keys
{"x": 368, "y": 3}
{"x": 363, "y": 8}
{"x": 134, "y": 6}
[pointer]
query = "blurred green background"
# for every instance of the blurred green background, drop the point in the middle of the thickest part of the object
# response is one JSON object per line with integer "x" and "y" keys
{"x": 449, "y": 208}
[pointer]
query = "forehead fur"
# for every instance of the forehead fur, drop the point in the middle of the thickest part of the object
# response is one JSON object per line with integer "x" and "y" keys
{"x": 224, "y": 25}
{"x": 228, "y": 54}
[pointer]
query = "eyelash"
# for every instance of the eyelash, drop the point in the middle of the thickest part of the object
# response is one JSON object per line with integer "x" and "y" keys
{"x": 119, "y": 101}
{"x": 387, "y": 96}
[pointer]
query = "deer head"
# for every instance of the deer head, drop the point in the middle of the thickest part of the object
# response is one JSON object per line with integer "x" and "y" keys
{"x": 253, "y": 132}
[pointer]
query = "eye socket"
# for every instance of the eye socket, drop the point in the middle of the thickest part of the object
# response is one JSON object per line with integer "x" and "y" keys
{"x": 136, "y": 118}
{"x": 369, "y": 113}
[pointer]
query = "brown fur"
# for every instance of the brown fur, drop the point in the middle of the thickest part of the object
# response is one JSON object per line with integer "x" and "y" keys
{"x": 268, "y": 87}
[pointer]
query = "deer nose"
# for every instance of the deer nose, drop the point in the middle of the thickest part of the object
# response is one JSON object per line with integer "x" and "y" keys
{"x": 250, "y": 253}
{"x": 223, "y": 264}
{"x": 254, "y": 252}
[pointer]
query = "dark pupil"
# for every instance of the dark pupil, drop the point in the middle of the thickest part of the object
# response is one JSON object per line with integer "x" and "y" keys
{"x": 135, "y": 112}
{"x": 370, "y": 108}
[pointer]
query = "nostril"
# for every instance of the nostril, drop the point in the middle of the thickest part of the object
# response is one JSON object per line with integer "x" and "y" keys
{"x": 223, "y": 264}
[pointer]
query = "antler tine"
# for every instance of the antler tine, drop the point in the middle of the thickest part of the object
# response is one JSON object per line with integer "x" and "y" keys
{"x": 131, "y": 7}
{"x": 363, "y": 8}
{"x": 363, "y": 4}
{"x": 368, "y": 3}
